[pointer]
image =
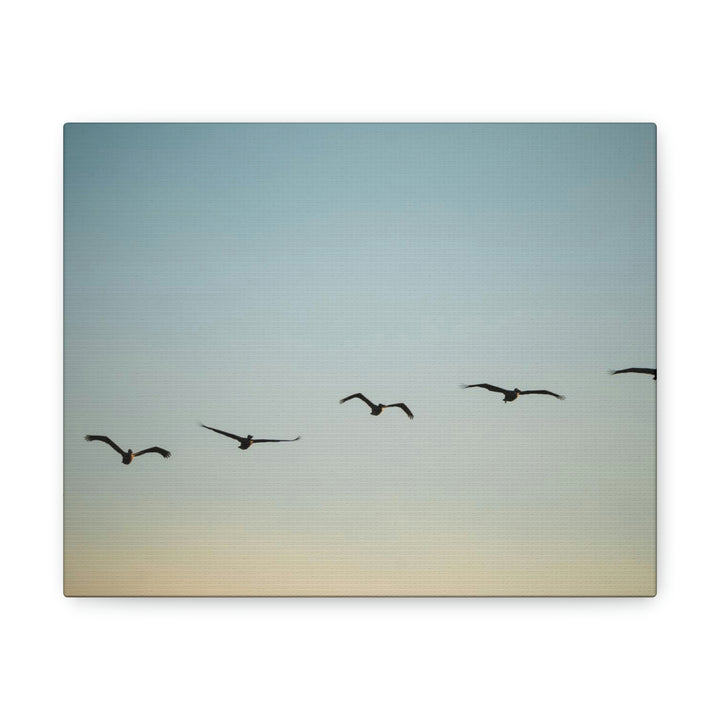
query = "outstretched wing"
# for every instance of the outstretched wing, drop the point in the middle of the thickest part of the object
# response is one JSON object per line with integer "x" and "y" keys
{"x": 404, "y": 408}
{"x": 356, "y": 395}
{"x": 222, "y": 432}
{"x": 542, "y": 392}
{"x": 646, "y": 371}
{"x": 164, "y": 453}
{"x": 293, "y": 440}
{"x": 105, "y": 439}
{"x": 489, "y": 387}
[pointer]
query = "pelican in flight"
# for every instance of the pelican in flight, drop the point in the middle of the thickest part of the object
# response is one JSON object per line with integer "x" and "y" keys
{"x": 511, "y": 395}
{"x": 377, "y": 409}
{"x": 127, "y": 457}
{"x": 645, "y": 371}
{"x": 245, "y": 442}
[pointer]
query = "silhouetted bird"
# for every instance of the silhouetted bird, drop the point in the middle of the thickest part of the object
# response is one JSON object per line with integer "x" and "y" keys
{"x": 245, "y": 442}
{"x": 511, "y": 395}
{"x": 645, "y": 371}
{"x": 377, "y": 409}
{"x": 127, "y": 457}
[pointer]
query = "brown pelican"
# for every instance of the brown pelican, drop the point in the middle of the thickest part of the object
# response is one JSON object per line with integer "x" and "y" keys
{"x": 245, "y": 442}
{"x": 127, "y": 457}
{"x": 511, "y": 395}
{"x": 645, "y": 371}
{"x": 377, "y": 409}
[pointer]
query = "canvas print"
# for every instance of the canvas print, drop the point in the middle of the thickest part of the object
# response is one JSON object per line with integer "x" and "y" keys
{"x": 346, "y": 359}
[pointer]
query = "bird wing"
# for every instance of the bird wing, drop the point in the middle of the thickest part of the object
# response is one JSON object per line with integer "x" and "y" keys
{"x": 489, "y": 387}
{"x": 542, "y": 392}
{"x": 647, "y": 371}
{"x": 356, "y": 395}
{"x": 105, "y": 439}
{"x": 293, "y": 440}
{"x": 222, "y": 432}
{"x": 155, "y": 449}
{"x": 403, "y": 407}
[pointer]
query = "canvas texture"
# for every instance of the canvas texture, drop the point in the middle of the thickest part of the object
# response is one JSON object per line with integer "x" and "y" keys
{"x": 340, "y": 359}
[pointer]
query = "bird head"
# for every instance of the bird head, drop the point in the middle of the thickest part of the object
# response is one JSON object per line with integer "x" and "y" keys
{"x": 129, "y": 451}
{"x": 516, "y": 390}
{"x": 249, "y": 437}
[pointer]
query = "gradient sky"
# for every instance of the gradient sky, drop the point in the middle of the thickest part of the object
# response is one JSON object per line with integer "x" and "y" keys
{"x": 249, "y": 276}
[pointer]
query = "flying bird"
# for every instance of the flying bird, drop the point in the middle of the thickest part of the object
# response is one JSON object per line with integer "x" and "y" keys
{"x": 511, "y": 395}
{"x": 127, "y": 456}
{"x": 645, "y": 371}
{"x": 245, "y": 442}
{"x": 377, "y": 409}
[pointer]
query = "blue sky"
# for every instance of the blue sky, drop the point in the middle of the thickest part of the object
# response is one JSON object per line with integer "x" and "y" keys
{"x": 249, "y": 276}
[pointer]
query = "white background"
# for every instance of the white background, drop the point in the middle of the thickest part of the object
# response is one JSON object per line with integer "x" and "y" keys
{"x": 395, "y": 658}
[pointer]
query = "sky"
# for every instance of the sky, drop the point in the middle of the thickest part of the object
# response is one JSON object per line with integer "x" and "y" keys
{"x": 249, "y": 276}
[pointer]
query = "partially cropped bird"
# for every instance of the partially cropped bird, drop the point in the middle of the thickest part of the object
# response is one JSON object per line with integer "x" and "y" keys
{"x": 377, "y": 409}
{"x": 511, "y": 395}
{"x": 644, "y": 371}
{"x": 129, "y": 455}
{"x": 245, "y": 442}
